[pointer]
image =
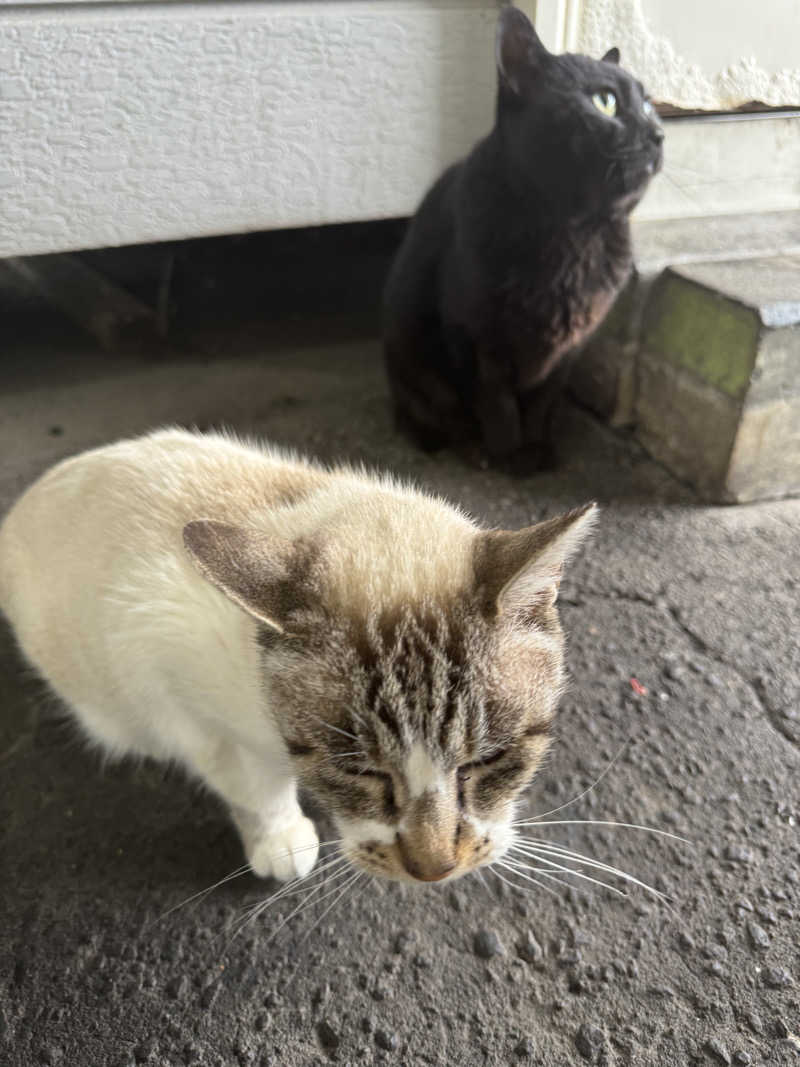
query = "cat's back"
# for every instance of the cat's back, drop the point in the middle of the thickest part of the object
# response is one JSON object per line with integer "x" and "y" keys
{"x": 166, "y": 476}
{"x": 115, "y": 515}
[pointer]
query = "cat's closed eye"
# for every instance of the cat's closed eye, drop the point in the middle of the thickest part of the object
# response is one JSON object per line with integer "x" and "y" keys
{"x": 358, "y": 770}
{"x": 485, "y": 761}
{"x": 605, "y": 102}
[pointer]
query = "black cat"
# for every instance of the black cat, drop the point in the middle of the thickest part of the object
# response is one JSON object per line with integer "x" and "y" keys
{"x": 518, "y": 251}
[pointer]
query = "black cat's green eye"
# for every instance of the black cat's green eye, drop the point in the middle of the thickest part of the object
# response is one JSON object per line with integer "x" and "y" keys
{"x": 606, "y": 103}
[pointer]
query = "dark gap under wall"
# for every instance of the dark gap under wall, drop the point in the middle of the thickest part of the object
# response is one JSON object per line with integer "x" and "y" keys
{"x": 278, "y": 276}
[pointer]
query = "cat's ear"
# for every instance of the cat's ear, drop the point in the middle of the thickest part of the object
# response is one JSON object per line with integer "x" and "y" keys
{"x": 260, "y": 573}
{"x": 612, "y": 56}
{"x": 518, "y": 50}
{"x": 518, "y": 571}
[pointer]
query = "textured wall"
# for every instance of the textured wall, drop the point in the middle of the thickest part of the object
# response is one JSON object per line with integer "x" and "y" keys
{"x": 700, "y": 55}
{"x": 720, "y": 167}
{"x": 126, "y": 124}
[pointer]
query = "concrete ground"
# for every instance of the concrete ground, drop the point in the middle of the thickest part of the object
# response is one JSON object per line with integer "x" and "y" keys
{"x": 698, "y": 605}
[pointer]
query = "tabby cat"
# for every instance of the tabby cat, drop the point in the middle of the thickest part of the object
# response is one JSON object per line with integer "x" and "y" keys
{"x": 267, "y": 623}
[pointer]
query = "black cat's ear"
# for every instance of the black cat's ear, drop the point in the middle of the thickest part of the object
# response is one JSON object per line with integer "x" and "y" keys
{"x": 264, "y": 575}
{"x": 612, "y": 56}
{"x": 518, "y": 50}
{"x": 519, "y": 571}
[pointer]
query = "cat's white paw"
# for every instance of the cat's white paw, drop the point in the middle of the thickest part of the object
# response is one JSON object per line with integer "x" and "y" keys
{"x": 288, "y": 853}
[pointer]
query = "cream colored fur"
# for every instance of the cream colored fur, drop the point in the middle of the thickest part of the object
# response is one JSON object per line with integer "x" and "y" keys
{"x": 148, "y": 628}
{"x": 154, "y": 660}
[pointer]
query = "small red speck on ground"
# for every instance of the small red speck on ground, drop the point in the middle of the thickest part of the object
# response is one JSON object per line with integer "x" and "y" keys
{"x": 639, "y": 689}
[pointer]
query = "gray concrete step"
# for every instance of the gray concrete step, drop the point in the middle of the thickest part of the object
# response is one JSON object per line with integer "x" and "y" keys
{"x": 671, "y": 242}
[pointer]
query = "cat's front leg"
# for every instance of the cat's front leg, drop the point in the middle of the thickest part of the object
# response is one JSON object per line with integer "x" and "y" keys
{"x": 278, "y": 845}
{"x": 542, "y": 409}
{"x": 496, "y": 408}
{"x": 279, "y": 840}
{"x": 427, "y": 407}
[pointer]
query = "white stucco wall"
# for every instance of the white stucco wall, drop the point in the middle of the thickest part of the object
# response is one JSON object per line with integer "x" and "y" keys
{"x": 127, "y": 122}
{"x": 148, "y": 122}
{"x": 724, "y": 167}
{"x": 707, "y": 54}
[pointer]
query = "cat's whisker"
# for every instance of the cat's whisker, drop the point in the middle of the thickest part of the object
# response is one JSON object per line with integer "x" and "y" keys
{"x": 513, "y": 885}
{"x": 305, "y": 848}
{"x": 545, "y": 874}
{"x": 580, "y": 796}
{"x": 577, "y": 873}
{"x": 295, "y": 886}
{"x": 482, "y": 880}
{"x": 244, "y": 869}
{"x": 682, "y": 189}
{"x": 287, "y": 889}
{"x": 540, "y": 854}
{"x": 603, "y": 822}
{"x": 550, "y": 877}
{"x": 318, "y": 920}
{"x": 298, "y": 885}
{"x": 306, "y": 879}
{"x": 562, "y": 881}
{"x": 307, "y": 892}
{"x": 290, "y": 889}
{"x": 675, "y": 169}
{"x": 326, "y": 877}
{"x": 304, "y": 904}
{"x": 357, "y": 717}
{"x": 538, "y": 844}
{"x": 337, "y": 729}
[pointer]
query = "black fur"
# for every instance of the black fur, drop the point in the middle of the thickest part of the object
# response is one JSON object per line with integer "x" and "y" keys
{"x": 518, "y": 251}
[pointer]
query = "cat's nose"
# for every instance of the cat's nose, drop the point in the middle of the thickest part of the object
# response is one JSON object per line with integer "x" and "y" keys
{"x": 657, "y": 134}
{"x": 428, "y": 872}
{"x": 424, "y": 858}
{"x": 426, "y": 844}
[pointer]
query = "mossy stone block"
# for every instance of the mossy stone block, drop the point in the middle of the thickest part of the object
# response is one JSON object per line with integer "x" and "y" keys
{"x": 703, "y": 331}
{"x": 603, "y": 378}
{"x": 718, "y": 377}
